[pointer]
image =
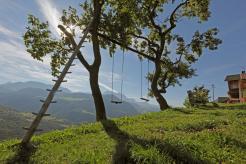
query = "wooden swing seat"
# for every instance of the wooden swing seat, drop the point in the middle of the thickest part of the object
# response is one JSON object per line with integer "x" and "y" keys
{"x": 144, "y": 99}
{"x": 116, "y": 102}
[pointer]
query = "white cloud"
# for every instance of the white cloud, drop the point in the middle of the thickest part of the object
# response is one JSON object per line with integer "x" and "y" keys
{"x": 17, "y": 65}
{"x": 51, "y": 13}
{"x": 5, "y": 31}
{"x": 107, "y": 87}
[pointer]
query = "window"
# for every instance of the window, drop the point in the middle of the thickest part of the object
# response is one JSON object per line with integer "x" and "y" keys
{"x": 234, "y": 85}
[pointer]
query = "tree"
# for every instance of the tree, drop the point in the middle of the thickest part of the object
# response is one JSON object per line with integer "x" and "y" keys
{"x": 131, "y": 25}
{"x": 187, "y": 102}
{"x": 198, "y": 96}
{"x": 134, "y": 25}
{"x": 39, "y": 43}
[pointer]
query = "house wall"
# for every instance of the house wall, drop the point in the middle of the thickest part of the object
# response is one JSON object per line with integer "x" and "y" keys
{"x": 233, "y": 84}
{"x": 243, "y": 84}
{"x": 243, "y": 90}
{"x": 237, "y": 89}
{"x": 234, "y": 89}
{"x": 244, "y": 93}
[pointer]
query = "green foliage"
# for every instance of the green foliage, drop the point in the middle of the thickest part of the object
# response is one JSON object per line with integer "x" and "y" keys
{"x": 232, "y": 106}
{"x": 197, "y": 8}
{"x": 132, "y": 23}
{"x": 187, "y": 103}
{"x": 198, "y": 96}
{"x": 137, "y": 24}
{"x": 39, "y": 43}
{"x": 172, "y": 136}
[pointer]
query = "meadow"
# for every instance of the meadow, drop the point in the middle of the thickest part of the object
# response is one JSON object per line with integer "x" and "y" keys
{"x": 206, "y": 135}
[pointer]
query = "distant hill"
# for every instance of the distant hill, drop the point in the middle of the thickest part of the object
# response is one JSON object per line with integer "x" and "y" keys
{"x": 11, "y": 123}
{"x": 11, "y": 87}
{"x": 73, "y": 107}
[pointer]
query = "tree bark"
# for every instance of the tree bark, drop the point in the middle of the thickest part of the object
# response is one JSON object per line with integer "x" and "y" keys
{"x": 154, "y": 86}
{"x": 97, "y": 95}
{"x": 94, "y": 68}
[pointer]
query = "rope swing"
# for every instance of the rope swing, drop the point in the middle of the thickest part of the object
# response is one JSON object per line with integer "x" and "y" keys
{"x": 141, "y": 81}
{"x": 122, "y": 80}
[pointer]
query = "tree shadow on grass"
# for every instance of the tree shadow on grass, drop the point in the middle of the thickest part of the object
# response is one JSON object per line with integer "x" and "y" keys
{"x": 22, "y": 154}
{"x": 122, "y": 149}
{"x": 121, "y": 155}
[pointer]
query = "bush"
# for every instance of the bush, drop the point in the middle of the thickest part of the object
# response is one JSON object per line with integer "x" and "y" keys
{"x": 198, "y": 96}
{"x": 187, "y": 103}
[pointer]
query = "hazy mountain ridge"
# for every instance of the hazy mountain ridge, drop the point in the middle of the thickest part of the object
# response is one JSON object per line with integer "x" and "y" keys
{"x": 74, "y": 107}
{"x": 16, "y": 86}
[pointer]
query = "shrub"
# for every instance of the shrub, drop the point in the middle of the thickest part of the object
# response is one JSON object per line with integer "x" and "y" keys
{"x": 198, "y": 96}
{"x": 187, "y": 103}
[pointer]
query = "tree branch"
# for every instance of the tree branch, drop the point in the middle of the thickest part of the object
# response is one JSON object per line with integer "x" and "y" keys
{"x": 150, "y": 43}
{"x": 172, "y": 19}
{"x": 178, "y": 60}
{"x": 168, "y": 84}
{"x": 165, "y": 86}
{"x": 172, "y": 26}
{"x": 152, "y": 16}
{"x": 127, "y": 47}
{"x": 97, "y": 5}
{"x": 181, "y": 55}
{"x": 74, "y": 44}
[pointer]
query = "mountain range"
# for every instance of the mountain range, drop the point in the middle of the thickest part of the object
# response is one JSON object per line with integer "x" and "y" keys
{"x": 73, "y": 107}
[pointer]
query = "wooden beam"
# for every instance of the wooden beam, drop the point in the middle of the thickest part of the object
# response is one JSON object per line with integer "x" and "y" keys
{"x": 50, "y": 90}
{"x": 37, "y": 130}
{"x": 34, "y": 125}
{"x": 63, "y": 81}
{"x": 38, "y": 114}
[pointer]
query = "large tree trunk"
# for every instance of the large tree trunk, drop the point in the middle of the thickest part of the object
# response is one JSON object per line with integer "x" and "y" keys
{"x": 97, "y": 95}
{"x": 94, "y": 69}
{"x": 154, "y": 86}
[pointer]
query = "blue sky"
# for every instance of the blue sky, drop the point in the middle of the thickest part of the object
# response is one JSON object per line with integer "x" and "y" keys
{"x": 17, "y": 65}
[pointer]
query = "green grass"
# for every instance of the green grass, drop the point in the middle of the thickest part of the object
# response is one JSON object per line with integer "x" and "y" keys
{"x": 172, "y": 136}
{"x": 11, "y": 123}
{"x": 233, "y": 106}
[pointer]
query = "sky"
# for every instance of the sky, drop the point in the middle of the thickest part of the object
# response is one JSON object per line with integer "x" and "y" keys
{"x": 17, "y": 65}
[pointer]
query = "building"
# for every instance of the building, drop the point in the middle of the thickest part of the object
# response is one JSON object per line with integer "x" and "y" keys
{"x": 222, "y": 100}
{"x": 237, "y": 87}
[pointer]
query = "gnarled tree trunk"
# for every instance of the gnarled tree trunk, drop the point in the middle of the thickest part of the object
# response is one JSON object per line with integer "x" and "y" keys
{"x": 154, "y": 86}
{"x": 94, "y": 69}
{"x": 97, "y": 95}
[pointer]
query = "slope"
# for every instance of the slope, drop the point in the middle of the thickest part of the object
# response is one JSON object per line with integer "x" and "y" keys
{"x": 172, "y": 136}
{"x": 12, "y": 122}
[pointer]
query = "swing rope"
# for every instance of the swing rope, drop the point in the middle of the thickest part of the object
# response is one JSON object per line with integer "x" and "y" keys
{"x": 148, "y": 79}
{"x": 141, "y": 77}
{"x": 122, "y": 73}
{"x": 122, "y": 80}
{"x": 141, "y": 64}
{"x": 112, "y": 94}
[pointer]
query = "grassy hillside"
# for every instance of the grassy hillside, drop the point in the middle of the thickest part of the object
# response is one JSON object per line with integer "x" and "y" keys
{"x": 172, "y": 136}
{"x": 11, "y": 123}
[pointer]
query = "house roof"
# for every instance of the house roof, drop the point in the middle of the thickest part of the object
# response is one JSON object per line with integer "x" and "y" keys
{"x": 232, "y": 77}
